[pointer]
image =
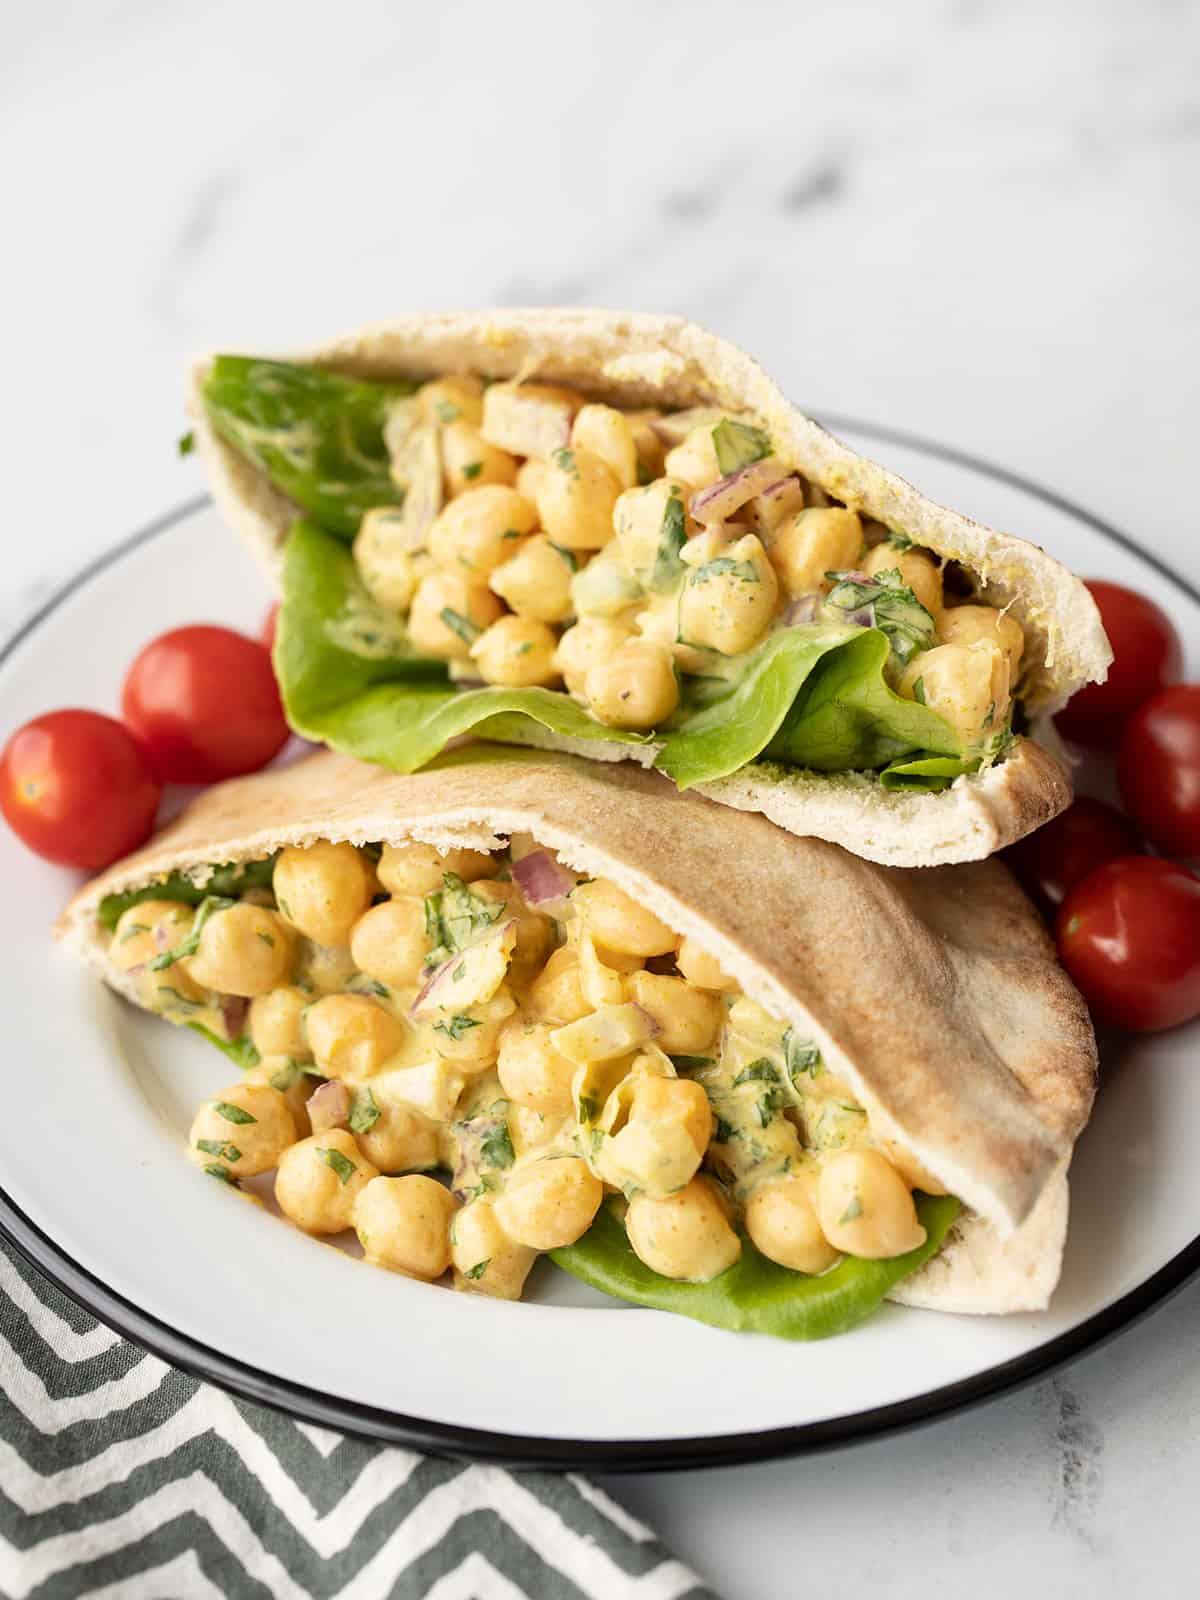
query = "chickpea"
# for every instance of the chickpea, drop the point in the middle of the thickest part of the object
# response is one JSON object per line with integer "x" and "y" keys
{"x": 865, "y": 1207}
{"x": 485, "y": 1259}
{"x": 351, "y": 1035}
{"x": 535, "y": 930}
{"x": 695, "y": 460}
{"x": 689, "y": 1019}
{"x": 448, "y": 612}
{"x": 966, "y": 624}
{"x": 452, "y": 399}
{"x": 401, "y": 1140}
{"x": 516, "y": 652}
{"x": 635, "y": 688}
{"x": 322, "y": 889}
{"x": 245, "y": 1129}
{"x": 813, "y": 542}
{"x": 965, "y": 684}
{"x": 605, "y": 432}
{"x": 477, "y": 531}
{"x": 551, "y": 1203}
{"x": 389, "y": 570}
{"x": 530, "y": 1069}
{"x": 556, "y": 994}
{"x": 535, "y": 581}
{"x": 530, "y": 419}
{"x": 319, "y": 1180}
{"x": 923, "y": 576}
{"x": 638, "y": 517}
{"x": 244, "y": 950}
{"x": 616, "y": 921}
{"x": 146, "y": 931}
{"x": 404, "y": 1224}
{"x": 591, "y": 640}
{"x": 675, "y": 1100}
{"x": 276, "y": 1023}
{"x": 651, "y": 452}
{"x": 781, "y": 1219}
{"x": 699, "y": 967}
{"x": 292, "y": 1082}
{"x": 389, "y": 942}
{"x": 728, "y": 602}
{"x": 530, "y": 476}
{"x": 661, "y": 1146}
{"x": 685, "y": 1235}
{"x": 420, "y": 869}
{"x": 469, "y": 461}
{"x": 576, "y": 499}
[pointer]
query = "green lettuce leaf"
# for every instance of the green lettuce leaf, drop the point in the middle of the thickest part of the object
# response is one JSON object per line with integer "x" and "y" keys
{"x": 755, "y": 1295}
{"x": 811, "y": 696}
{"x": 317, "y": 436}
{"x": 240, "y": 1050}
{"x": 229, "y": 880}
{"x": 927, "y": 773}
{"x": 350, "y": 677}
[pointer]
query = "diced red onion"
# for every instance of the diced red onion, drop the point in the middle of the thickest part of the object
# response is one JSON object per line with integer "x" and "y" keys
{"x": 729, "y": 494}
{"x": 540, "y": 878}
{"x": 655, "y": 1025}
{"x": 162, "y": 937}
{"x": 802, "y": 610}
{"x": 440, "y": 973}
{"x": 774, "y": 490}
{"x": 233, "y": 1013}
{"x": 863, "y": 617}
{"x": 329, "y": 1106}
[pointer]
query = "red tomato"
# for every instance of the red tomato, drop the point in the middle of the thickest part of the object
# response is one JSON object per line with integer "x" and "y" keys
{"x": 267, "y": 631}
{"x": 1147, "y": 656}
{"x": 1053, "y": 860}
{"x": 77, "y": 788}
{"x": 1129, "y": 935}
{"x": 204, "y": 702}
{"x": 1159, "y": 769}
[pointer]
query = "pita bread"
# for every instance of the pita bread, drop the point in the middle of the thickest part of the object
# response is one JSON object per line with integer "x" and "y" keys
{"x": 636, "y": 359}
{"x": 935, "y": 995}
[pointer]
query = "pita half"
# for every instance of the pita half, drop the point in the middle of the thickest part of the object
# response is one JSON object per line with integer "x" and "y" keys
{"x": 342, "y": 687}
{"x": 934, "y": 996}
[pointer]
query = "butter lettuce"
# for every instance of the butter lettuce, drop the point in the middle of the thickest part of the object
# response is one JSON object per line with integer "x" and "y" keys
{"x": 755, "y": 1295}
{"x": 812, "y": 696}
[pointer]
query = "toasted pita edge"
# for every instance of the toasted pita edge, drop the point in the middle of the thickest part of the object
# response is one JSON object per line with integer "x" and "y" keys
{"x": 980, "y": 1272}
{"x": 345, "y": 799}
{"x": 642, "y": 359}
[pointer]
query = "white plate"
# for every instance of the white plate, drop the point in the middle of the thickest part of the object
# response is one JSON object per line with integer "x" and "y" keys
{"x": 97, "y": 1192}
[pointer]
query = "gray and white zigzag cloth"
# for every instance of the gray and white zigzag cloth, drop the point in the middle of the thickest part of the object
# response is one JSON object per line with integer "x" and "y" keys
{"x": 122, "y": 1477}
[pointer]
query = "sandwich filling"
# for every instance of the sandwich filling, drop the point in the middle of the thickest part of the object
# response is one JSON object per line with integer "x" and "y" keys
{"x": 582, "y": 1079}
{"x": 475, "y": 555}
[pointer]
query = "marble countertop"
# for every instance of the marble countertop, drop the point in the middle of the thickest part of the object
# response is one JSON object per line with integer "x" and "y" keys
{"x": 972, "y": 220}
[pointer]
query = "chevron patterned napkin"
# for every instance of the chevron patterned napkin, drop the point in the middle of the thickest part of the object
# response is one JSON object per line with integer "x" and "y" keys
{"x": 122, "y": 1477}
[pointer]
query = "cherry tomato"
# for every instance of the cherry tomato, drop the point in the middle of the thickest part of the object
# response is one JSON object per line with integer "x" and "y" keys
{"x": 267, "y": 631}
{"x": 1147, "y": 656}
{"x": 78, "y": 788}
{"x": 1159, "y": 769}
{"x": 1129, "y": 935}
{"x": 1059, "y": 855}
{"x": 204, "y": 702}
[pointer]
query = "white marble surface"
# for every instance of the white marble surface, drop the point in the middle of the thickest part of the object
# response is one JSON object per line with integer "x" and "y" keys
{"x": 975, "y": 220}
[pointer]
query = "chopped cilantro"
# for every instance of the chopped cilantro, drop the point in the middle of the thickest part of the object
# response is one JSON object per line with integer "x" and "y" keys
{"x": 364, "y": 1112}
{"x": 899, "y": 541}
{"x": 691, "y": 1063}
{"x": 447, "y": 411}
{"x": 725, "y": 1131}
{"x": 233, "y": 1114}
{"x": 801, "y": 1056}
{"x": 564, "y": 460}
{"x": 919, "y": 692}
{"x": 186, "y": 443}
{"x": 745, "y": 570}
{"x": 587, "y": 1108}
{"x": 216, "y": 1170}
{"x": 337, "y": 1162}
{"x": 456, "y": 1027}
{"x": 460, "y": 625}
{"x": 568, "y": 556}
{"x": 665, "y": 572}
{"x": 219, "y": 1147}
{"x": 760, "y": 1071}
{"x": 478, "y": 1270}
{"x": 495, "y": 1149}
{"x": 191, "y": 944}
{"x": 472, "y": 469}
{"x": 266, "y": 938}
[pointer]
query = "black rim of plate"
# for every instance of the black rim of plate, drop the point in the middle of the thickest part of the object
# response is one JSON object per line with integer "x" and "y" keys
{"x": 614, "y": 1455}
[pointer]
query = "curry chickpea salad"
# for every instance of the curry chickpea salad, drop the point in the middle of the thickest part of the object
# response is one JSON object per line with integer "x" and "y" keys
{"x": 486, "y": 555}
{"x": 471, "y": 1058}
